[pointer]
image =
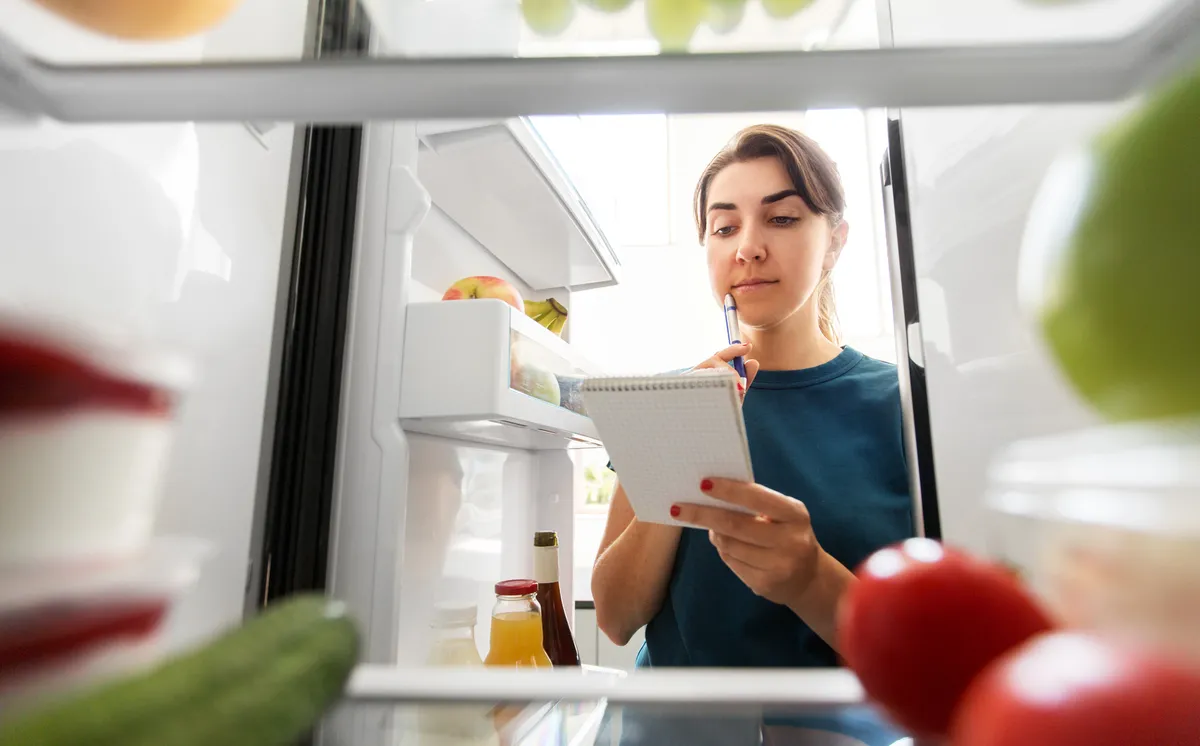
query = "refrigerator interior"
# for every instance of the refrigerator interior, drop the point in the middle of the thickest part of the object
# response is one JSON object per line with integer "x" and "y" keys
{"x": 184, "y": 233}
{"x": 440, "y": 505}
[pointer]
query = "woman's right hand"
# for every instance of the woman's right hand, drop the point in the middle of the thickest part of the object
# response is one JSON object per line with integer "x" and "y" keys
{"x": 722, "y": 359}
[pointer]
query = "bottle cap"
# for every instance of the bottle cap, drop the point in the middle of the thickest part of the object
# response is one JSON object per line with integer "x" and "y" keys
{"x": 520, "y": 587}
{"x": 545, "y": 539}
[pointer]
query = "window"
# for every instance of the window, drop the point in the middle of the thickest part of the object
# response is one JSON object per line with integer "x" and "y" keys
{"x": 638, "y": 175}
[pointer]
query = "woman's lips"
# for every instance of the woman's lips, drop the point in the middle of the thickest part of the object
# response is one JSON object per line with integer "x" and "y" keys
{"x": 753, "y": 286}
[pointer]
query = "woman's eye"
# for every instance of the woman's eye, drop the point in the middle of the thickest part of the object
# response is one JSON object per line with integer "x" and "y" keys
{"x": 724, "y": 230}
{"x": 784, "y": 220}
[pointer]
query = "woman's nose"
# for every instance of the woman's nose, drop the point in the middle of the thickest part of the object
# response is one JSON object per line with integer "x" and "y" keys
{"x": 752, "y": 248}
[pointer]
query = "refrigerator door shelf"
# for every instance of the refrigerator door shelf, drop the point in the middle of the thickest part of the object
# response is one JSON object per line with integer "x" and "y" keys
{"x": 482, "y": 371}
{"x": 500, "y": 183}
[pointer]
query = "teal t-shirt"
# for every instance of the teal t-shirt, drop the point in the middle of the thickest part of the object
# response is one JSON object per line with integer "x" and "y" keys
{"x": 830, "y": 436}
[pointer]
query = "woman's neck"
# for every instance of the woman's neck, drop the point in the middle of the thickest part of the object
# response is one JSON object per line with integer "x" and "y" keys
{"x": 795, "y": 344}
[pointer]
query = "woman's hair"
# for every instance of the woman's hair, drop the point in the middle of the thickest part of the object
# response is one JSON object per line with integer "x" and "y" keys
{"x": 814, "y": 175}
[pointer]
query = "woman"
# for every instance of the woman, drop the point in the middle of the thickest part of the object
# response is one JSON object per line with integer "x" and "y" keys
{"x": 824, "y": 428}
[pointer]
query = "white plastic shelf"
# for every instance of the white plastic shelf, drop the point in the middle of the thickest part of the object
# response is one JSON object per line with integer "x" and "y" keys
{"x": 955, "y": 69}
{"x": 698, "y": 690}
{"x": 480, "y": 370}
{"x": 498, "y": 181}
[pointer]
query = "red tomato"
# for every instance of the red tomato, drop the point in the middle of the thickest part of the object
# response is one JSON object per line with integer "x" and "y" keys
{"x": 922, "y": 621}
{"x": 1073, "y": 689}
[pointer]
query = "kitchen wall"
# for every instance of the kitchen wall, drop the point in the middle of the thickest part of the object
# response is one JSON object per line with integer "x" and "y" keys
{"x": 177, "y": 233}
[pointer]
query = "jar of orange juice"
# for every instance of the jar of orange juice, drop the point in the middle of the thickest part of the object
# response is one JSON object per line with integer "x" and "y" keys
{"x": 516, "y": 635}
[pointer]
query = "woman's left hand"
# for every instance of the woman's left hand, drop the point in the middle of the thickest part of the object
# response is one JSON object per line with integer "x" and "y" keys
{"x": 774, "y": 552}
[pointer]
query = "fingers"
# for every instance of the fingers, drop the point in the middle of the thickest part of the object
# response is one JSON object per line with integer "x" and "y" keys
{"x": 736, "y": 550}
{"x": 747, "y": 528}
{"x": 732, "y": 351}
{"x": 759, "y": 499}
{"x": 751, "y": 371}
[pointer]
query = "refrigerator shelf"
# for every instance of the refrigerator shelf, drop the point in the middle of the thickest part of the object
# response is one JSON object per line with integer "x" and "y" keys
{"x": 697, "y": 690}
{"x": 1131, "y": 43}
{"x": 480, "y": 370}
{"x": 501, "y": 184}
{"x": 376, "y": 710}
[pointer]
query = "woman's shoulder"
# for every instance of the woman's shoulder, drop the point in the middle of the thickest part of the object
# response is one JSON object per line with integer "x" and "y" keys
{"x": 874, "y": 370}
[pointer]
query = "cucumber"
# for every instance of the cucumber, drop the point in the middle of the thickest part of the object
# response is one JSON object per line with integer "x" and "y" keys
{"x": 265, "y": 683}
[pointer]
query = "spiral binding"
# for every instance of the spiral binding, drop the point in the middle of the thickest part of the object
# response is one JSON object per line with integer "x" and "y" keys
{"x": 658, "y": 384}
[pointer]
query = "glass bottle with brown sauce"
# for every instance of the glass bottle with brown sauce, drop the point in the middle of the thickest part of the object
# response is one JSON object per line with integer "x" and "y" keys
{"x": 557, "y": 639}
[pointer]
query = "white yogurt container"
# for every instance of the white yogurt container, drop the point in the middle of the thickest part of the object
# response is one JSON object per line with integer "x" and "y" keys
{"x": 1105, "y": 525}
{"x": 86, "y": 423}
{"x": 64, "y": 629}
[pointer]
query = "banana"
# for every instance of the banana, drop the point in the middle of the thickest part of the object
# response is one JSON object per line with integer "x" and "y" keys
{"x": 549, "y": 313}
{"x": 535, "y": 309}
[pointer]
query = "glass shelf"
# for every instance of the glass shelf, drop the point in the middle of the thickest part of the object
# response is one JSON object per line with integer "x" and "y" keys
{"x": 574, "y": 707}
{"x": 479, "y": 58}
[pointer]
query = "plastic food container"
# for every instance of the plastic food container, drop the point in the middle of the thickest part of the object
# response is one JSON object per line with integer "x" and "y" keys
{"x": 67, "y": 628}
{"x": 1105, "y": 526}
{"x": 85, "y": 428}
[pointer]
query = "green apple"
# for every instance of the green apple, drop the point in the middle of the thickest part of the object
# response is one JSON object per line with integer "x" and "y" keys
{"x": 548, "y": 17}
{"x": 725, "y": 15}
{"x": 608, "y": 6}
{"x": 785, "y": 8}
{"x": 1110, "y": 264}
{"x": 673, "y": 22}
{"x": 538, "y": 383}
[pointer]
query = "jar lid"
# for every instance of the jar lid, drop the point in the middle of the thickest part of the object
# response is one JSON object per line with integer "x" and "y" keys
{"x": 520, "y": 587}
{"x": 446, "y": 616}
{"x": 1142, "y": 476}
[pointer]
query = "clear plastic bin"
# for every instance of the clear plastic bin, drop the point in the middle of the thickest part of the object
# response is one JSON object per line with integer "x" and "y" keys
{"x": 1105, "y": 526}
{"x": 541, "y": 373}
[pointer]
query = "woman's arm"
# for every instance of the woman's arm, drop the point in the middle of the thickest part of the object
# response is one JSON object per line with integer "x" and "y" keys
{"x": 817, "y": 606}
{"x": 632, "y": 570}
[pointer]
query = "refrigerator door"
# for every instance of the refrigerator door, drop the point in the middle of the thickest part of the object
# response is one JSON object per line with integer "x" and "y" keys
{"x": 972, "y": 175}
{"x": 910, "y": 362}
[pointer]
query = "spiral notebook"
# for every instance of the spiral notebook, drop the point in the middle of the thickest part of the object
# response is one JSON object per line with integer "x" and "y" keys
{"x": 664, "y": 434}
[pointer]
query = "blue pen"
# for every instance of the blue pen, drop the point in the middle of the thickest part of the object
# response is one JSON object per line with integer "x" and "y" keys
{"x": 734, "y": 333}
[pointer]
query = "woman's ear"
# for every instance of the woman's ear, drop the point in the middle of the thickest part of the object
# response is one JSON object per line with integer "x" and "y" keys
{"x": 837, "y": 242}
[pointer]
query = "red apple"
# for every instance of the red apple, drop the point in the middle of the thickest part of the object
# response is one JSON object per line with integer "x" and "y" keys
{"x": 483, "y": 286}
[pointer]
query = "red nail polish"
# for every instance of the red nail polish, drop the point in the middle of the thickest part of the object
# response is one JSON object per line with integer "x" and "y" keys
{"x": 705, "y": 485}
{"x": 674, "y": 511}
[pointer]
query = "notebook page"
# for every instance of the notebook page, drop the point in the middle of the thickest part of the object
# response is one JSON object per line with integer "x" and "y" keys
{"x": 665, "y": 434}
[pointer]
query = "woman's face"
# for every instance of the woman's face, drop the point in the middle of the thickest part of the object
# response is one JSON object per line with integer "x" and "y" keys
{"x": 765, "y": 246}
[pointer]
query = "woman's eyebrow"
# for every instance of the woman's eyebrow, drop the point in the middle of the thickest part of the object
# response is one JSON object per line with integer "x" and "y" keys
{"x": 769, "y": 199}
{"x": 780, "y": 195}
